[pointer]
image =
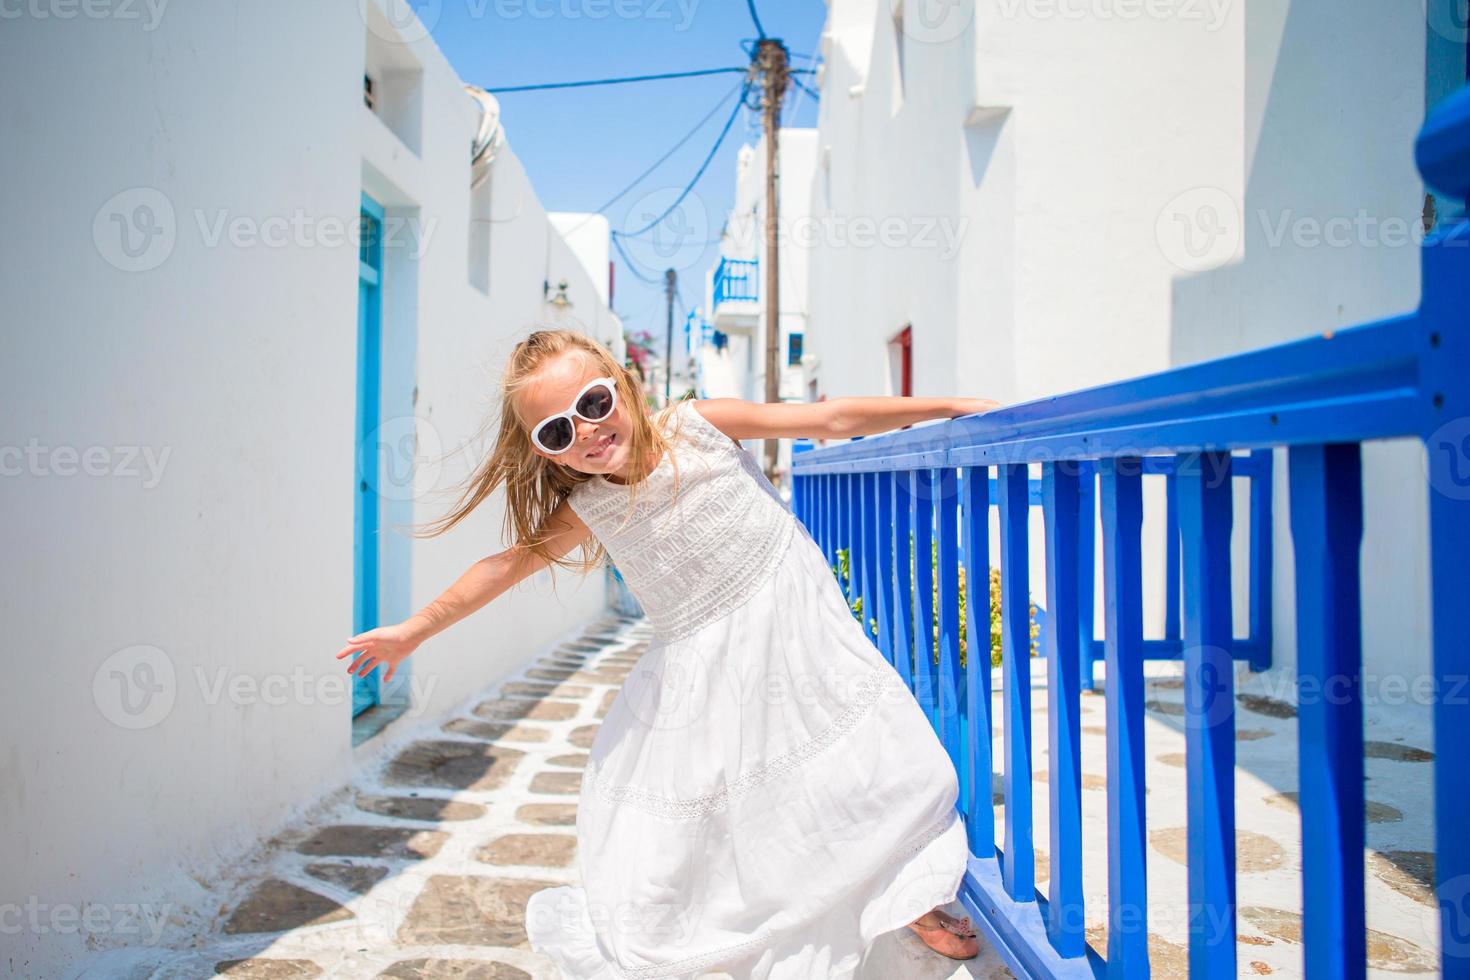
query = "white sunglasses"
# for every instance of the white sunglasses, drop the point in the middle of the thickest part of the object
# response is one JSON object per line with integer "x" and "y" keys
{"x": 555, "y": 434}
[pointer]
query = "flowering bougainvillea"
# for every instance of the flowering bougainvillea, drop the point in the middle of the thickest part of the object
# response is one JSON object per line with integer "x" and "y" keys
{"x": 640, "y": 352}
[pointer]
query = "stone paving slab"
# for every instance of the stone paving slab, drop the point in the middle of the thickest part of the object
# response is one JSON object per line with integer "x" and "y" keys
{"x": 423, "y": 868}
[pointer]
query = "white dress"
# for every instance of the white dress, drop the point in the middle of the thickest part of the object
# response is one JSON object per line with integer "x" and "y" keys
{"x": 764, "y": 797}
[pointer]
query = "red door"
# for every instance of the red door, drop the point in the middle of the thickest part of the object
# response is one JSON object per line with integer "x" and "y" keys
{"x": 905, "y": 341}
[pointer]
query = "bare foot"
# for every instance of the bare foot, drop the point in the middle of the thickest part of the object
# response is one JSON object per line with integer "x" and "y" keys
{"x": 947, "y": 935}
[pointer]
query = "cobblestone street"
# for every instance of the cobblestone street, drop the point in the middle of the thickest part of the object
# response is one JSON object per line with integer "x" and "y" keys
{"x": 423, "y": 869}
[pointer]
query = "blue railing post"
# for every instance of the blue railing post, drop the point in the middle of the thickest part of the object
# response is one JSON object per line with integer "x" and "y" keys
{"x": 922, "y": 518}
{"x": 1327, "y": 530}
{"x": 1262, "y": 557}
{"x": 1018, "y": 865}
{"x": 883, "y": 528}
{"x": 834, "y": 516}
{"x": 978, "y": 724}
{"x": 870, "y": 580}
{"x": 859, "y": 508}
{"x": 1066, "y": 913}
{"x": 1443, "y": 155}
{"x": 1202, "y": 483}
{"x": 1122, "y": 522}
{"x": 848, "y": 517}
{"x": 816, "y": 524}
{"x": 829, "y": 517}
{"x": 1449, "y": 523}
{"x": 947, "y": 501}
{"x": 1087, "y": 569}
{"x": 903, "y": 569}
{"x": 1173, "y": 598}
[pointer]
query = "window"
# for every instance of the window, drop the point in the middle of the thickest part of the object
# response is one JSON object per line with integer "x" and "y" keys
{"x": 793, "y": 349}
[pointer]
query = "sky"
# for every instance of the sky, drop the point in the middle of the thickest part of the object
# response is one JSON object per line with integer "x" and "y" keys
{"x": 582, "y": 146}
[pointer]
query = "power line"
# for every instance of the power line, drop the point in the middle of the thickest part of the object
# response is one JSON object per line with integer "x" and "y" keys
{"x": 672, "y": 150}
{"x": 618, "y": 81}
{"x": 804, "y": 71}
{"x": 617, "y": 236}
{"x": 719, "y": 141}
{"x": 756, "y": 17}
{"x": 632, "y": 266}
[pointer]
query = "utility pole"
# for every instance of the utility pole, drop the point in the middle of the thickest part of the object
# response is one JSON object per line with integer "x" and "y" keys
{"x": 770, "y": 60}
{"x": 670, "y": 278}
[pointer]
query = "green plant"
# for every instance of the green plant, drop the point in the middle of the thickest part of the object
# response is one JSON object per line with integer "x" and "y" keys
{"x": 843, "y": 572}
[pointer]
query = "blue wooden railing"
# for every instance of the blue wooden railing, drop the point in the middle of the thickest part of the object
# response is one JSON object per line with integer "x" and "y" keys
{"x": 886, "y": 499}
{"x": 735, "y": 281}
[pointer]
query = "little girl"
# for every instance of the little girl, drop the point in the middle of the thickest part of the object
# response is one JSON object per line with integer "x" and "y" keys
{"x": 764, "y": 797}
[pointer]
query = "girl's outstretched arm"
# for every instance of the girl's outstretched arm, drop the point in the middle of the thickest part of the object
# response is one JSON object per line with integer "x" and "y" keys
{"x": 481, "y": 583}
{"x": 835, "y": 418}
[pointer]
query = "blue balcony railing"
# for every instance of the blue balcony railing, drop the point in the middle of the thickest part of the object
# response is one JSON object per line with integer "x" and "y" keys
{"x": 735, "y": 281}
{"x": 885, "y": 499}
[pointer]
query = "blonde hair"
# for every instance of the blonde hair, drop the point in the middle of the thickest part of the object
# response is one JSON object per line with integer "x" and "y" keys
{"x": 535, "y": 485}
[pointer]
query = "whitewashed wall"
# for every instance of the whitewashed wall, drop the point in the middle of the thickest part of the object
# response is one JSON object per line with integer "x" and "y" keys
{"x": 589, "y": 238}
{"x": 178, "y": 434}
{"x": 1330, "y": 215}
{"x": 1050, "y": 171}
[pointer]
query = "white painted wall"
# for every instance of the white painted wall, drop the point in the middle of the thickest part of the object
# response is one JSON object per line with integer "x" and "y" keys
{"x": 1040, "y": 165}
{"x": 231, "y": 366}
{"x": 1330, "y": 207}
{"x": 588, "y": 236}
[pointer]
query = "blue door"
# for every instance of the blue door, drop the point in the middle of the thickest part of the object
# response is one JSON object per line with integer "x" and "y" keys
{"x": 366, "y": 691}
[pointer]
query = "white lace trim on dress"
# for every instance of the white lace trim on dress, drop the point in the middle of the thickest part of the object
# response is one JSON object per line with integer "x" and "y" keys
{"x": 693, "y": 558}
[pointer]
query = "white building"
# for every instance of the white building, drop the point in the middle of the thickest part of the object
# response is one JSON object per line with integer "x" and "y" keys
{"x": 732, "y": 359}
{"x": 184, "y": 398}
{"x": 587, "y": 235}
{"x": 1040, "y": 197}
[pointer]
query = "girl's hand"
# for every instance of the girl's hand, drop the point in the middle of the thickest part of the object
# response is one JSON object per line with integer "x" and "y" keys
{"x": 973, "y": 406}
{"x": 389, "y": 645}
